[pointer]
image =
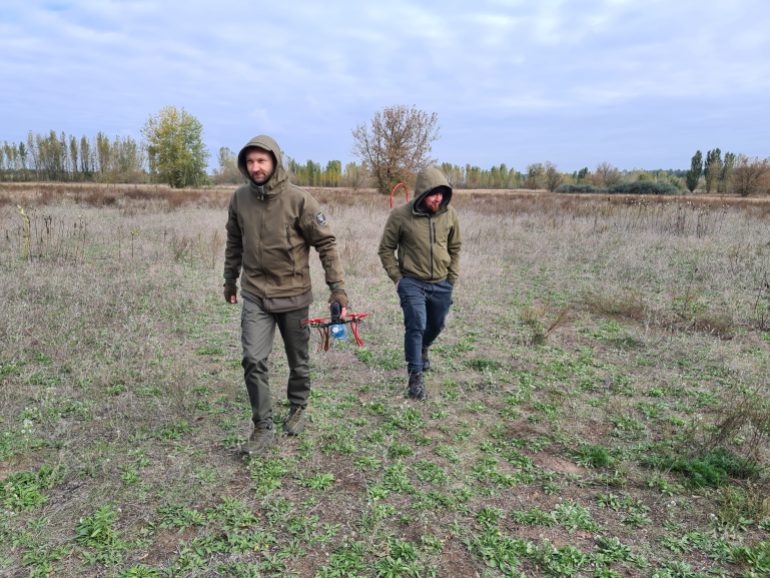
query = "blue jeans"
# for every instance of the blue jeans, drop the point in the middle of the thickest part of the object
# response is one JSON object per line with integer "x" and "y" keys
{"x": 425, "y": 307}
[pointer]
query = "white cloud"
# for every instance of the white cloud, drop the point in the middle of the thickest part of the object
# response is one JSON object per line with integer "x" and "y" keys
{"x": 313, "y": 68}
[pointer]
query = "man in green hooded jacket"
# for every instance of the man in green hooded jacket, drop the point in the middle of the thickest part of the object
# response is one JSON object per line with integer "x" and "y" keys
{"x": 420, "y": 251}
{"x": 271, "y": 226}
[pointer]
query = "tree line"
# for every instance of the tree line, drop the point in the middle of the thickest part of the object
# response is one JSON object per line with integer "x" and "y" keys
{"x": 730, "y": 174}
{"x": 172, "y": 152}
{"x": 391, "y": 148}
{"x": 59, "y": 157}
{"x": 66, "y": 158}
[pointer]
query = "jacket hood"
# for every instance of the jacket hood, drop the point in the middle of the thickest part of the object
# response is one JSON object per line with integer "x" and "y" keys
{"x": 429, "y": 179}
{"x": 279, "y": 172}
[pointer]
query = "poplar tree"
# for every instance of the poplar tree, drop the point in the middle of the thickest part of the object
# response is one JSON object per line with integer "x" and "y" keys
{"x": 696, "y": 168}
{"x": 228, "y": 172}
{"x": 725, "y": 184}
{"x": 86, "y": 158}
{"x": 74, "y": 166}
{"x": 712, "y": 168}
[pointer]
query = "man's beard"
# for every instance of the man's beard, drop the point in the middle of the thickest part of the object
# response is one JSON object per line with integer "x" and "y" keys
{"x": 262, "y": 180}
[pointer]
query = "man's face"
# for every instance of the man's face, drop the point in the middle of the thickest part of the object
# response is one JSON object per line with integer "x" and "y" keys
{"x": 433, "y": 201}
{"x": 259, "y": 165}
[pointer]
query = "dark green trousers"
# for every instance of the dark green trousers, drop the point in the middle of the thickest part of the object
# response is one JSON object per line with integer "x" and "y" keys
{"x": 257, "y": 334}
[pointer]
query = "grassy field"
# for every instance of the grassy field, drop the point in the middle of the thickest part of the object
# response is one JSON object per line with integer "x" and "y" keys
{"x": 599, "y": 405}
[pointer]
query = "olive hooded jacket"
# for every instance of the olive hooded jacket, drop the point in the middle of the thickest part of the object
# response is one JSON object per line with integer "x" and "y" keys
{"x": 420, "y": 244}
{"x": 270, "y": 229}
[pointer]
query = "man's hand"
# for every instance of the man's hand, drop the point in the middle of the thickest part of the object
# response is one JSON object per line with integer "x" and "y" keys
{"x": 231, "y": 291}
{"x": 339, "y": 296}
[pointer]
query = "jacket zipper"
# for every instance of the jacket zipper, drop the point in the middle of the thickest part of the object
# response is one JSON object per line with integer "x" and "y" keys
{"x": 432, "y": 240}
{"x": 261, "y": 214}
{"x": 291, "y": 253}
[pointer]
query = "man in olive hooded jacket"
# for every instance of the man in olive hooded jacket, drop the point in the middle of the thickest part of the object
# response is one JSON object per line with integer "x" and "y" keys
{"x": 271, "y": 226}
{"x": 420, "y": 251}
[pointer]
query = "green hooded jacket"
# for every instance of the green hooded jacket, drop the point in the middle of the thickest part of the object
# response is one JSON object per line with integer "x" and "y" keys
{"x": 270, "y": 229}
{"x": 420, "y": 244}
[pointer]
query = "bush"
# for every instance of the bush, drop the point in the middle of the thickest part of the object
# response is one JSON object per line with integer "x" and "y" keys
{"x": 643, "y": 188}
{"x": 633, "y": 188}
{"x": 580, "y": 189}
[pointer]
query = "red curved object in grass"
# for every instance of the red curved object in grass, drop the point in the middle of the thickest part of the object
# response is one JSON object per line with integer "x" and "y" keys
{"x": 393, "y": 190}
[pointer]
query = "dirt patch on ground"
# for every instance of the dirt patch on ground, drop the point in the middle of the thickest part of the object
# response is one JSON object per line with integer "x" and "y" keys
{"x": 165, "y": 546}
{"x": 557, "y": 464}
{"x": 6, "y": 470}
{"x": 457, "y": 561}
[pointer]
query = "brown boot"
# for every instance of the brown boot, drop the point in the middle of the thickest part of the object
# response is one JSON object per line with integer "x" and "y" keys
{"x": 261, "y": 440}
{"x": 295, "y": 421}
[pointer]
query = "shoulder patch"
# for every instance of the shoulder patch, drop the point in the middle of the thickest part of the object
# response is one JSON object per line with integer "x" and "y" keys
{"x": 320, "y": 218}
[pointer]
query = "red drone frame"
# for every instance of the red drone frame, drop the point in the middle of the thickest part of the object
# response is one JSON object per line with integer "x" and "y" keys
{"x": 395, "y": 188}
{"x": 339, "y": 317}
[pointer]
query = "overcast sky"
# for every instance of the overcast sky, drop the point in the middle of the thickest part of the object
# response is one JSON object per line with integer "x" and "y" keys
{"x": 634, "y": 83}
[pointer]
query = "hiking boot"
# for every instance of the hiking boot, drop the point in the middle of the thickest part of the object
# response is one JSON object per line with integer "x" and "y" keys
{"x": 295, "y": 421}
{"x": 261, "y": 440}
{"x": 425, "y": 359}
{"x": 416, "y": 386}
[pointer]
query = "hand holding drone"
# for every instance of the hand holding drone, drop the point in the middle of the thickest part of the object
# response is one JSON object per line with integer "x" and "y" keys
{"x": 334, "y": 325}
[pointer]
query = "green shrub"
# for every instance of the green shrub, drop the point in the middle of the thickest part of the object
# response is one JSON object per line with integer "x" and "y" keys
{"x": 712, "y": 469}
{"x": 594, "y": 456}
{"x": 23, "y": 490}
{"x": 580, "y": 189}
{"x": 643, "y": 188}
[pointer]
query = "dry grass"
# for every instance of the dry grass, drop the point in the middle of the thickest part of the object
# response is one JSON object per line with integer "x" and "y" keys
{"x": 591, "y": 339}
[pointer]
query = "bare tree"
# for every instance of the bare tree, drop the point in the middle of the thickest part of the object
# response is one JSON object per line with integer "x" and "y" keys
{"x": 535, "y": 176}
{"x": 395, "y": 144}
{"x": 553, "y": 178}
{"x": 606, "y": 175}
{"x": 355, "y": 176}
{"x": 228, "y": 172}
{"x": 751, "y": 176}
{"x": 126, "y": 161}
